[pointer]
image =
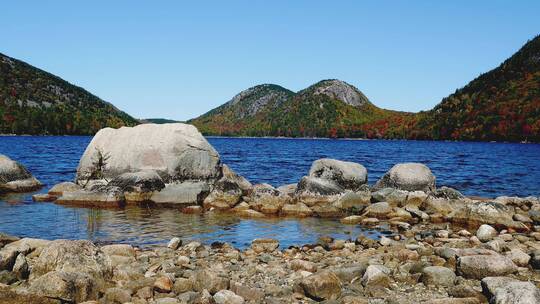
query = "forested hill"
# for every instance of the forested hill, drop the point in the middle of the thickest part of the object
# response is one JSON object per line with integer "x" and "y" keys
{"x": 33, "y": 101}
{"x": 502, "y": 104}
{"x": 329, "y": 108}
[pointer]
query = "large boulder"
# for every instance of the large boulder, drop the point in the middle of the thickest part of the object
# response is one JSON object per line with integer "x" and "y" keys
{"x": 177, "y": 152}
{"x": 408, "y": 176}
{"x": 14, "y": 177}
{"x": 347, "y": 175}
{"x": 331, "y": 177}
{"x": 68, "y": 287}
{"x": 73, "y": 256}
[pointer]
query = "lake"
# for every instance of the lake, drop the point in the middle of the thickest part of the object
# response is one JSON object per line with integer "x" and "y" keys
{"x": 480, "y": 169}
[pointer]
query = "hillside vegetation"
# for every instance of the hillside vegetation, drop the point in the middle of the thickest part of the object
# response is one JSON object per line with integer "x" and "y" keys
{"x": 502, "y": 105}
{"x": 33, "y": 101}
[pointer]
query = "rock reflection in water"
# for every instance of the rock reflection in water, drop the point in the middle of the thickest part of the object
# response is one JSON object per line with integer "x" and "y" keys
{"x": 149, "y": 227}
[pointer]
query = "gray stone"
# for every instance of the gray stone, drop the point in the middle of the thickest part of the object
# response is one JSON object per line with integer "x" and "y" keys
{"x": 408, "y": 176}
{"x": 347, "y": 175}
{"x": 140, "y": 181}
{"x": 376, "y": 275}
{"x": 448, "y": 193}
{"x": 227, "y": 297}
{"x": 492, "y": 213}
{"x": 317, "y": 186}
{"x": 486, "y": 233}
{"x": 354, "y": 201}
{"x": 66, "y": 286}
{"x": 207, "y": 279}
{"x": 14, "y": 177}
{"x": 481, "y": 266}
{"x": 438, "y": 276}
{"x": 73, "y": 256}
{"x": 517, "y": 293}
{"x": 177, "y": 152}
{"x": 323, "y": 285}
{"x": 179, "y": 194}
{"x": 59, "y": 189}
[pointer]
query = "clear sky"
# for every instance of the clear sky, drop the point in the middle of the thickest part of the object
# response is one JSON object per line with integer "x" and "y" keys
{"x": 179, "y": 59}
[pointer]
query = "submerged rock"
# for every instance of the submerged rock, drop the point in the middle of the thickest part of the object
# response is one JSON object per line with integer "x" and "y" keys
{"x": 14, "y": 177}
{"x": 409, "y": 177}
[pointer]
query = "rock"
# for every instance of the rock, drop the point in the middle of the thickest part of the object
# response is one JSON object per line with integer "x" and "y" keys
{"x": 124, "y": 250}
{"x": 7, "y": 277}
{"x": 298, "y": 264}
{"x": 448, "y": 193}
{"x": 181, "y": 194}
{"x": 394, "y": 197}
{"x": 6, "y": 239}
{"x": 117, "y": 295}
{"x": 43, "y": 197}
{"x": 409, "y": 177}
{"x": 492, "y": 213}
{"x": 177, "y": 152}
{"x": 289, "y": 189}
{"x": 481, "y": 266}
{"x": 14, "y": 177}
{"x": 352, "y": 220}
{"x": 59, "y": 189}
{"x": 490, "y": 284}
{"x": 21, "y": 268}
{"x": 376, "y": 275}
{"x": 519, "y": 257}
{"x": 322, "y": 286}
{"x": 163, "y": 284}
{"x": 73, "y": 256}
{"x": 347, "y": 175}
{"x": 264, "y": 245}
{"x": 415, "y": 199}
{"x": 310, "y": 185}
{"x": 438, "y": 276}
{"x": 112, "y": 197}
{"x": 250, "y": 213}
{"x": 267, "y": 199}
{"x": 486, "y": 233}
{"x": 327, "y": 211}
{"x": 206, "y": 279}
{"x": 517, "y": 293}
{"x": 378, "y": 210}
{"x": 249, "y": 294}
{"x": 182, "y": 285}
{"x": 7, "y": 257}
{"x": 227, "y": 297}
{"x": 174, "y": 243}
{"x": 139, "y": 182}
{"x": 354, "y": 201}
{"x": 66, "y": 286}
{"x": 228, "y": 190}
{"x": 298, "y": 209}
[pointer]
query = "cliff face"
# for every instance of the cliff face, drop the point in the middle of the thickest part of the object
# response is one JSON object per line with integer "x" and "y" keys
{"x": 33, "y": 101}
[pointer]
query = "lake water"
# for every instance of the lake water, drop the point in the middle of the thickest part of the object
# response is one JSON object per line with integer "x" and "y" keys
{"x": 481, "y": 169}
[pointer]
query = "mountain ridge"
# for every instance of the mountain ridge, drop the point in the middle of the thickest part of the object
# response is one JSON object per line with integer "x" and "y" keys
{"x": 34, "y": 101}
{"x": 502, "y": 104}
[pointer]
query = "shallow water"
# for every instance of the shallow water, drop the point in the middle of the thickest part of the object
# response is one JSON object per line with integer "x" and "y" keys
{"x": 483, "y": 169}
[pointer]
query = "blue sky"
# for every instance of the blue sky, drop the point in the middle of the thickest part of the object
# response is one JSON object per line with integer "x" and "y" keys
{"x": 179, "y": 59}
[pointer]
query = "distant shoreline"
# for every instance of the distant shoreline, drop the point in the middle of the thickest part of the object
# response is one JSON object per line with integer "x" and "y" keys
{"x": 297, "y": 138}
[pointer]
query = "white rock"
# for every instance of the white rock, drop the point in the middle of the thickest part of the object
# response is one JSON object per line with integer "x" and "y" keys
{"x": 227, "y": 297}
{"x": 486, "y": 233}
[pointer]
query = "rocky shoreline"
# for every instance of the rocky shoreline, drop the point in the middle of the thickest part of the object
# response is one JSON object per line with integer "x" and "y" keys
{"x": 425, "y": 263}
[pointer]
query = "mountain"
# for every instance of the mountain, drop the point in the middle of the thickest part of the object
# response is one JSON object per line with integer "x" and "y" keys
{"x": 329, "y": 108}
{"x": 33, "y": 101}
{"x": 157, "y": 121}
{"x": 502, "y": 104}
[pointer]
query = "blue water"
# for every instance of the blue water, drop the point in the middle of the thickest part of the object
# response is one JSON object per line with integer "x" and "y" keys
{"x": 481, "y": 169}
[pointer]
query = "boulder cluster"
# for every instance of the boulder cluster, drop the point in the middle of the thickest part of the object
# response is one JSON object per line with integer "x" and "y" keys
{"x": 427, "y": 263}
